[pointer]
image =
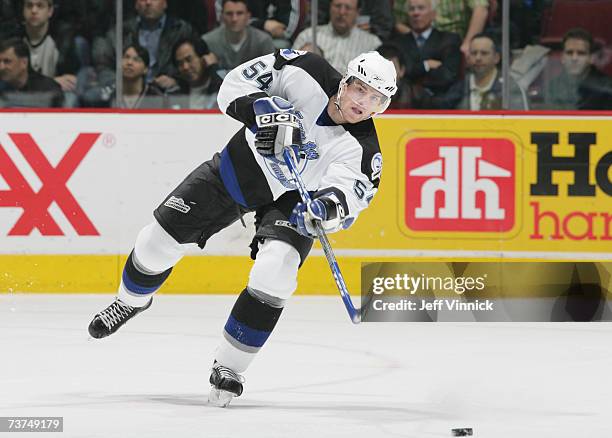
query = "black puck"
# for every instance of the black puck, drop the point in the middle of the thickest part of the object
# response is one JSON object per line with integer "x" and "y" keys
{"x": 463, "y": 431}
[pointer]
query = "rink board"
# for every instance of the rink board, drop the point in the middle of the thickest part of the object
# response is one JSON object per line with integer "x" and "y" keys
{"x": 75, "y": 188}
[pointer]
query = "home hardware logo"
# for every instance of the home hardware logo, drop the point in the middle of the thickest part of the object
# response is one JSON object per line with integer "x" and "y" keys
{"x": 460, "y": 184}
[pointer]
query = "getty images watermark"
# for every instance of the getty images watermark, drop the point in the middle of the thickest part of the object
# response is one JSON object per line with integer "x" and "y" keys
{"x": 411, "y": 285}
{"x": 419, "y": 292}
{"x": 505, "y": 290}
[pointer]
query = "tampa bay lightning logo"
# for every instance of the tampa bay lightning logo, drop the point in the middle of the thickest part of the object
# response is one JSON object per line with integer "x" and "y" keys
{"x": 277, "y": 168}
{"x": 309, "y": 150}
{"x": 376, "y": 164}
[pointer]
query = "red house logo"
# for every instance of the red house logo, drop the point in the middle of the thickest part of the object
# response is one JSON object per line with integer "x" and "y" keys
{"x": 460, "y": 184}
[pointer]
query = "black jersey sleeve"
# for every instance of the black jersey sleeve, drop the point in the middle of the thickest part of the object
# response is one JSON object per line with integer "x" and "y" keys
{"x": 241, "y": 108}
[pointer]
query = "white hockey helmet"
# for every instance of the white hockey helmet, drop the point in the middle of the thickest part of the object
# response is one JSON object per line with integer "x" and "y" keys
{"x": 375, "y": 71}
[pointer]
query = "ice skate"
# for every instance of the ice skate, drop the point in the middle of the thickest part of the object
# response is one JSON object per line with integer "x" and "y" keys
{"x": 114, "y": 316}
{"x": 226, "y": 384}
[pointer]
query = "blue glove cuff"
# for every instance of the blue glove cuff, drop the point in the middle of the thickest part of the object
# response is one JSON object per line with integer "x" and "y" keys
{"x": 269, "y": 105}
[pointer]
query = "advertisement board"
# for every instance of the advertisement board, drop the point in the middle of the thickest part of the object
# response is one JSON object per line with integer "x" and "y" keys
{"x": 75, "y": 189}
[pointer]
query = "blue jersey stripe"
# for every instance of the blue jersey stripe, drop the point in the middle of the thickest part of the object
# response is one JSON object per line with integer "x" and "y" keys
{"x": 229, "y": 178}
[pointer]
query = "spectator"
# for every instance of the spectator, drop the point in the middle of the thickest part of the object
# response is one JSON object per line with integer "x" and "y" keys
{"x": 282, "y": 19}
{"x": 340, "y": 39}
{"x": 401, "y": 98}
{"x": 53, "y": 54}
{"x": 580, "y": 85}
{"x": 20, "y": 86}
{"x": 137, "y": 92}
{"x": 482, "y": 87}
{"x": 235, "y": 42}
{"x": 375, "y": 16}
{"x": 154, "y": 30}
{"x": 464, "y": 17}
{"x": 198, "y": 78}
{"x": 433, "y": 58}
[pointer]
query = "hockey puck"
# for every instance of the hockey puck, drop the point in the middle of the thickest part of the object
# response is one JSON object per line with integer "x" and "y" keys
{"x": 463, "y": 431}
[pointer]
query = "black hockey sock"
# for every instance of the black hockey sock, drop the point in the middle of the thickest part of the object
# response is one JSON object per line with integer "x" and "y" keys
{"x": 251, "y": 322}
{"x": 139, "y": 283}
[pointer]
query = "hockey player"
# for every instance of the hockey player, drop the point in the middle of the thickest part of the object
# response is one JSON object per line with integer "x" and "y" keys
{"x": 285, "y": 98}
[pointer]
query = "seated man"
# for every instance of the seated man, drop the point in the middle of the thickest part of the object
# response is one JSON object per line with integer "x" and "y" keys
{"x": 54, "y": 47}
{"x": 375, "y": 16}
{"x": 482, "y": 87}
{"x": 20, "y": 86}
{"x": 153, "y": 29}
{"x": 433, "y": 58}
{"x": 340, "y": 39}
{"x": 198, "y": 78}
{"x": 235, "y": 42}
{"x": 580, "y": 85}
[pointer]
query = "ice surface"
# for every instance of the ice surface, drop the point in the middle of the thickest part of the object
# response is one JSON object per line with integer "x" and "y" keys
{"x": 318, "y": 375}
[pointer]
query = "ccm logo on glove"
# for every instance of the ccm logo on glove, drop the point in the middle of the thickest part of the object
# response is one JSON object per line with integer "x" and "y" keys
{"x": 277, "y": 119}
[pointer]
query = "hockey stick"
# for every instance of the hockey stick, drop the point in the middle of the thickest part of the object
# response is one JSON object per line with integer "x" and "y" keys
{"x": 355, "y": 314}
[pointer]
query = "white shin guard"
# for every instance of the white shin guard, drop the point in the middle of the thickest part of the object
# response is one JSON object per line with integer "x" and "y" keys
{"x": 155, "y": 252}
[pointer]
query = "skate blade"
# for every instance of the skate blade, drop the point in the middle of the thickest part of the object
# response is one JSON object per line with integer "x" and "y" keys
{"x": 219, "y": 397}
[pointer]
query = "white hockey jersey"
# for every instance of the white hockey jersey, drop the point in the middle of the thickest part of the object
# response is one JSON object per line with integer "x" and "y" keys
{"x": 345, "y": 159}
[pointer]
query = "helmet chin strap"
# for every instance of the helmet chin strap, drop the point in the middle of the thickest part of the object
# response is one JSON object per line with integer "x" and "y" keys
{"x": 337, "y": 101}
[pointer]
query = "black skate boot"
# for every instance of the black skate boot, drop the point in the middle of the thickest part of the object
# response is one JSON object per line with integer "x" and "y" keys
{"x": 114, "y": 316}
{"x": 226, "y": 384}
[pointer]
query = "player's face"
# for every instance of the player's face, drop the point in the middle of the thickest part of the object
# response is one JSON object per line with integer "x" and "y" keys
{"x": 483, "y": 57}
{"x": 343, "y": 15}
{"x": 12, "y": 68}
{"x": 576, "y": 56}
{"x": 133, "y": 65}
{"x": 359, "y": 101}
{"x": 189, "y": 64}
{"x": 420, "y": 15}
{"x": 37, "y": 13}
{"x": 236, "y": 16}
{"x": 151, "y": 10}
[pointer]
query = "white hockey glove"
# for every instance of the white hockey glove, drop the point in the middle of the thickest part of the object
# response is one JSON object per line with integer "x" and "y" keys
{"x": 277, "y": 126}
{"x": 326, "y": 209}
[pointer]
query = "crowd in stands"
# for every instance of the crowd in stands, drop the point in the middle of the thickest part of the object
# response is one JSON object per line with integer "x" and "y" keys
{"x": 175, "y": 53}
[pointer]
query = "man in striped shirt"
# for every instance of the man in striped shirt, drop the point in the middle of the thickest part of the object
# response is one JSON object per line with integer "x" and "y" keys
{"x": 341, "y": 40}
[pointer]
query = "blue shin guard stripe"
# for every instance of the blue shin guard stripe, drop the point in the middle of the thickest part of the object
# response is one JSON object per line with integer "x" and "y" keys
{"x": 138, "y": 282}
{"x": 245, "y": 334}
{"x": 135, "y": 288}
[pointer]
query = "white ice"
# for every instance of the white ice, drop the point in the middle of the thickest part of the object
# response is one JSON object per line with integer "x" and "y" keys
{"x": 318, "y": 375}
